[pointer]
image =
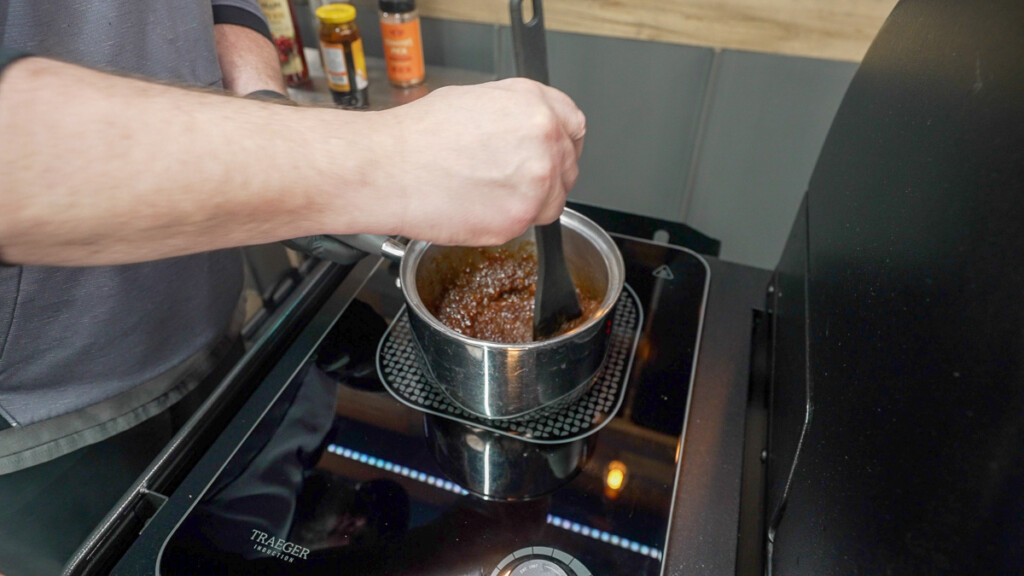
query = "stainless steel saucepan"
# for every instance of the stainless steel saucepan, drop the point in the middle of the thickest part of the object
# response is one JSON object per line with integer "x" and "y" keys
{"x": 502, "y": 381}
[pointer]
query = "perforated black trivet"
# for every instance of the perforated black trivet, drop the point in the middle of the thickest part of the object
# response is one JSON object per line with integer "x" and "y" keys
{"x": 399, "y": 368}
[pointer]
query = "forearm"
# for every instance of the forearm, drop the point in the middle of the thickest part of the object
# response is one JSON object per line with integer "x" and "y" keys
{"x": 129, "y": 170}
{"x": 248, "y": 61}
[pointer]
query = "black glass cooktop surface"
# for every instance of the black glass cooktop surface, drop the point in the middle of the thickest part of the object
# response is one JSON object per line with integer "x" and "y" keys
{"x": 338, "y": 476}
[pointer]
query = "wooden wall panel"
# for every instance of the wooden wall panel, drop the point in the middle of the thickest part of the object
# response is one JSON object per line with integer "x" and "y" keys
{"x": 831, "y": 29}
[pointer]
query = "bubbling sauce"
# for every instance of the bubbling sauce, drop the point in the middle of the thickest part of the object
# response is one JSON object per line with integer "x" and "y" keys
{"x": 492, "y": 299}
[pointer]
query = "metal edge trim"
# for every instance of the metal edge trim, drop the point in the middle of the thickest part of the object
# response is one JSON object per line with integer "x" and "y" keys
{"x": 271, "y": 375}
{"x": 86, "y": 549}
{"x": 689, "y": 396}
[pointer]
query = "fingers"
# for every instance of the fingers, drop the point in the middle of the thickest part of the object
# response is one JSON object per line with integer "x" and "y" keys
{"x": 573, "y": 125}
{"x": 553, "y": 205}
{"x": 569, "y": 166}
{"x": 565, "y": 171}
{"x": 570, "y": 117}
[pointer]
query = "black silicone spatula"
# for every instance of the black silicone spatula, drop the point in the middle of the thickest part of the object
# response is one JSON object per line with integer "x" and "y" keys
{"x": 555, "y": 302}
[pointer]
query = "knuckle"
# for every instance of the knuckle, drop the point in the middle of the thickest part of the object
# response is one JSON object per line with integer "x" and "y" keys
{"x": 544, "y": 123}
{"x": 542, "y": 178}
{"x": 518, "y": 84}
{"x": 520, "y": 218}
{"x": 515, "y": 220}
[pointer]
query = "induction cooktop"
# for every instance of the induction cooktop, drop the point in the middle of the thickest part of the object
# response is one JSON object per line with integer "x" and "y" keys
{"x": 336, "y": 476}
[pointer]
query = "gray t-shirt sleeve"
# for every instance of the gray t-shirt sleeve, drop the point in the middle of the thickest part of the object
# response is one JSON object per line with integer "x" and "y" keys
{"x": 242, "y": 13}
{"x": 111, "y": 329}
{"x": 8, "y": 55}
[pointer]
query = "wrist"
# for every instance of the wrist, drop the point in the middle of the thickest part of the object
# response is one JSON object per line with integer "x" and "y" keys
{"x": 342, "y": 167}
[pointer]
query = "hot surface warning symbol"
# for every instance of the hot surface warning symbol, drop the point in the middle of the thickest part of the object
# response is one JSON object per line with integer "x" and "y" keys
{"x": 663, "y": 272}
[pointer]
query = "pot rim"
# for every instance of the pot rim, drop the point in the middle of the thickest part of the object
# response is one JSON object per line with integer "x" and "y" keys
{"x": 570, "y": 219}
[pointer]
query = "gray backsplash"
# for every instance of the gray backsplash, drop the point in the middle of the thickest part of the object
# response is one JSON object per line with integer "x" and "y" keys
{"x": 642, "y": 101}
{"x": 724, "y": 141}
{"x": 766, "y": 120}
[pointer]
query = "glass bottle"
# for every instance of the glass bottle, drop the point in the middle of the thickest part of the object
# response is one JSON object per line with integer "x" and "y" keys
{"x": 341, "y": 50}
{"x": 403, "y": 43}
{"x": 281, "y": 18}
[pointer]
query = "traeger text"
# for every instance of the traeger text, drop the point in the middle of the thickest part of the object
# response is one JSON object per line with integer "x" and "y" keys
{"x": 271, "y": 546}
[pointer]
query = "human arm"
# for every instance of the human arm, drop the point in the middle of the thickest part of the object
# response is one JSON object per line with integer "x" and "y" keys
{"x": 248, "y": 62}
{"x": 131, "y": 171}
{"x": 246, "y": 53}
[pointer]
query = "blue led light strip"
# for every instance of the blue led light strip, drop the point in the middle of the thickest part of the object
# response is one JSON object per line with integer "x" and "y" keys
{"x": 606, "y": 537}
{"x": 556, "y": 521}
{"x": 397, "y": 469}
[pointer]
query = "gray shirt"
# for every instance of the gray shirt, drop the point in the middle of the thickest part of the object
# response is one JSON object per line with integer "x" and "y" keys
{"x": 73, "y": 339}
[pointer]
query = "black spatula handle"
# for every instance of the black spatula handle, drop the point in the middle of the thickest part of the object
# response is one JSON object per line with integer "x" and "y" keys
{"x": 556, "y": 301}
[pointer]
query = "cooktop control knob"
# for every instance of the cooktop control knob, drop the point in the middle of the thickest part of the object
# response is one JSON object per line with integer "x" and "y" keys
{"x": 540, "y": 561}
{"x": 538, "y": 567}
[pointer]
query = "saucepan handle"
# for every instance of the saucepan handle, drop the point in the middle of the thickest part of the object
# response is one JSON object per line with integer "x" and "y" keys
{"x": 348, "y": 249}
{"x": 386, "y": 246}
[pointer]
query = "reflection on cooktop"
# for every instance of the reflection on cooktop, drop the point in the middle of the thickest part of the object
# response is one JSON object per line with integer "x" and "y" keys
{"x": 551, "y": 519}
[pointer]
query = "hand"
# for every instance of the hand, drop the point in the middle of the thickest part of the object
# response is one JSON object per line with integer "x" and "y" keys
{"x": 477, "y": 165}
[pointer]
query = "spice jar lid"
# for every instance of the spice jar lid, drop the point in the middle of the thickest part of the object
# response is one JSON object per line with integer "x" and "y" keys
{"x": 336, "y": 13}
{"x": 397, "y": 5}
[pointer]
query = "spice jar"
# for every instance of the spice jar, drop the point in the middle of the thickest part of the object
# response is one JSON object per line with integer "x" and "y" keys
{"x": 341, "y": 50}
{"x": 403, "y": 43}
{"x": 280, "y": 16}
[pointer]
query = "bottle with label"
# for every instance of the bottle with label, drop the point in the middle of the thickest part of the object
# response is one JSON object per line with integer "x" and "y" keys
{"x": 403, "y": 44}
{"x": 285, "y": 33}
{"x": 341, "y": 50}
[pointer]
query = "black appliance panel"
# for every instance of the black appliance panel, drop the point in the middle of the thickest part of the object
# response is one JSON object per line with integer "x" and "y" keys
{"x": 913, "y": 462}
{"x": 790, "y": 402}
